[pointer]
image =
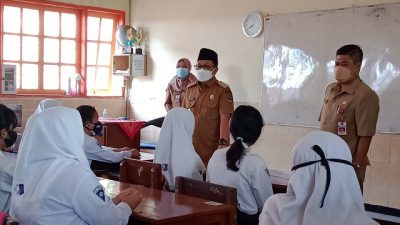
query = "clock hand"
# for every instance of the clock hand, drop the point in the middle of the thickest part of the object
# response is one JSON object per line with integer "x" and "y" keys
{"x": 251, "y": 26}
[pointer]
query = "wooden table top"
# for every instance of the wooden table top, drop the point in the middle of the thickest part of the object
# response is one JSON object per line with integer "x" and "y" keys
{"x": 160, "y": 206}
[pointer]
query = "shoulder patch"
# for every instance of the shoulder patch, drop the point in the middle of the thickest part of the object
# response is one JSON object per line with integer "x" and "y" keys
{"x": 222, "y": 84}
{"x": 98, "y": 190}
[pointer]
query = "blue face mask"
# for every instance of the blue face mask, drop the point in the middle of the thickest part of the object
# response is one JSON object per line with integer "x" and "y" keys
{"x": 182, "y": 72}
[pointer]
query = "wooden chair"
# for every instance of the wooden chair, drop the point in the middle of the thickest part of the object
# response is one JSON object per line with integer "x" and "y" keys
{"x": 141, "y": 172}
{"x": 209, "y": 191}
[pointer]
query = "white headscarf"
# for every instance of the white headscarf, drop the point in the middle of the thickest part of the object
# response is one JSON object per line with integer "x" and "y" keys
{"x": 46, "y": 104}
{"x": 343, "y": 204}
{"x": 175, "y": 149}
{"x": 52, "y": 140}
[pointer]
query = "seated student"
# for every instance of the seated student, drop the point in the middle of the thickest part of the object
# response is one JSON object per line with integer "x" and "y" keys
{"x": 175, "y": 151}
{"x": 323, "y": 189}
{"x": 53, "y": 183}
{"x": 8, "y": 121}
{"x": 236, "y": 166}
{"x": 46, "y": 104}
{"x": 93, "y": 150}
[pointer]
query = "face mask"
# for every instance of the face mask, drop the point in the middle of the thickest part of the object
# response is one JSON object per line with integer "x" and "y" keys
{"x": 203, "y": 75}
{"x": 343, "y": 74}
{"x": 182, "y": 72}
{"x": 12, "y": 137}
{"x": 98, "y": 128}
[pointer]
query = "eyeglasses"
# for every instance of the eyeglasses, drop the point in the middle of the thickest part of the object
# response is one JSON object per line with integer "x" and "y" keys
{"x": 206, "y": 67}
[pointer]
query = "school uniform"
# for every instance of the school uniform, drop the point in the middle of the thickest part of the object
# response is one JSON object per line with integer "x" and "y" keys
{"x": 252, "y": 180}
{"x": 7, "y": 167}
{"x": 46, "y": 104}
{"x": 175, "y": 151}
{"x": 53, "y": 183}
{"x": 94, "y": 151}
{"x": 312, "y": 197}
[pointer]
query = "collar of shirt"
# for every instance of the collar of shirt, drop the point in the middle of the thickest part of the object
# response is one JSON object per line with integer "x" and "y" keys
{"x": 348, "y": 88}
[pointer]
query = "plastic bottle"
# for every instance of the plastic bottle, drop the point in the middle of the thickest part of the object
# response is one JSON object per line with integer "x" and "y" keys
{"x": 104, "y": 115}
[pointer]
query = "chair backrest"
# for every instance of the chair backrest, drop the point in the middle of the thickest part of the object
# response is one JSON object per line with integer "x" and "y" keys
{"x": 141, "y": 172}
{"x": 205, "y": 190}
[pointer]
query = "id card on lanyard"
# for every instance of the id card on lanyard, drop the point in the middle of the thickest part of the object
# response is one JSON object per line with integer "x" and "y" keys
{"x": 342, "y": 125}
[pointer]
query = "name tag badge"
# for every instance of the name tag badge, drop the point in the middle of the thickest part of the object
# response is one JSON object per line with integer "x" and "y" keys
{"x": 177, "y": 98}
{"x": 342, "y": 128}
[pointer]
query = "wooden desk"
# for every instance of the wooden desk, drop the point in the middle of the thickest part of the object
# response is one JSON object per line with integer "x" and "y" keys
{"x": 114, "y": 136}
{"x": 167, "y": 208}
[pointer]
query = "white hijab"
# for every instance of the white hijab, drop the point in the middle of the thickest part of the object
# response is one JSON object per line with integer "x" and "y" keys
{"x": 301, "y": 204}
{"x": 52, "y": 140}
{"x": 46, "y": 104}
{"x": 175, "y": 149}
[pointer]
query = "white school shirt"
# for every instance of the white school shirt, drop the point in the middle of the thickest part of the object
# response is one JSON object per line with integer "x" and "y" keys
{"x": 7, "y": 167}
{"x": 94, "y": 151}
{"x": 53, "y": 183}
{"x": 252, "y": 181}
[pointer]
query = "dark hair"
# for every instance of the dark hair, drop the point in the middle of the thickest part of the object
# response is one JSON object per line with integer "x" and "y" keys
{"x": 86, "y": 112}
{"x": 8, "y": 119}
{"x": 354, "y": 51}
{"x": 246, "y": 123}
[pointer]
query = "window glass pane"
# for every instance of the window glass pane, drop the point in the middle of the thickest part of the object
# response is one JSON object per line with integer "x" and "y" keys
{"x": 11, "y": 19}
{"x": 66, "y": 72}
{"x": 29, "y": 76}
{"x": 90, "y": 79}
{"x": 30, "y": 49}
{"x": 51, "y": 23}
{"x": 30, "y": 21}
{"x": 104, "y": 54}
{"x": 51, "y": 50}
{"x": 68, "y": 51}
{"x": 68, "y": 25}
{"x": 117, "y": 83}
{"x": 11, "y": 47}
{"x": 106, "y": 29}
{"x": 51, "y": 77}
{"x": 93, "y": 24}
{"x": 102, "y": 78}
{"x": 91, "y": 53}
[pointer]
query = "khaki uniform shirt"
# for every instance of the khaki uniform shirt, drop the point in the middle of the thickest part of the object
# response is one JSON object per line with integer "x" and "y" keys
{"x": 354, "y": 103}
{"x": 208, "y": 101}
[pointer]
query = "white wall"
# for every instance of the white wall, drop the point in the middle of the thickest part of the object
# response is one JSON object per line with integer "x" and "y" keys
{"x": 180, "y": 28}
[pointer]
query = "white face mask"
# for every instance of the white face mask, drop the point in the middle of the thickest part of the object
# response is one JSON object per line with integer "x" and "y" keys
{"x": 343, "y": 74}
{"x": 203, "y": 75}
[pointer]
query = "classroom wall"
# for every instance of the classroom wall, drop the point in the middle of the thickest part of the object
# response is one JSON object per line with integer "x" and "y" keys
{"x": 180, "y": 28}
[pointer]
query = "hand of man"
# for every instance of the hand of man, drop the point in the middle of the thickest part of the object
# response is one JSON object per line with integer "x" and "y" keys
{"x": 135, "y": 153}
{"x": 133, "y": 199}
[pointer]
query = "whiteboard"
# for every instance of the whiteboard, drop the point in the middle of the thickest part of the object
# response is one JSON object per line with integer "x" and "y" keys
{"x": 299, "y": 54}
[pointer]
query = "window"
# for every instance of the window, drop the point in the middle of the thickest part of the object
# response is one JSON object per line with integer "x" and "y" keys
{"x": 54, "y": 45}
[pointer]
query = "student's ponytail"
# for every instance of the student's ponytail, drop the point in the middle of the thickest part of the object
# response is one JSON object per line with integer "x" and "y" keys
{"x": 234, "y": 154}
{"x": 245, "y": 126}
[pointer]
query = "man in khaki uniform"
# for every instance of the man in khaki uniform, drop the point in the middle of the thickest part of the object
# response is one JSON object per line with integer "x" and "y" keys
{"x": 350, "y": 108}
{"x": 211, "y": 102}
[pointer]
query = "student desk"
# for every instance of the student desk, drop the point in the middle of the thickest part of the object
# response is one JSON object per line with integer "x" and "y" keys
{"x": 167, "y": 208}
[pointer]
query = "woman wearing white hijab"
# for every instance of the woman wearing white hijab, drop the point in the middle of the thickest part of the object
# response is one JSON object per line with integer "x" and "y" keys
{"x": 175, "y": 151}
{"x": 53, "y": 183}
{"x": 46, "y": 104}
{"x": 323, "y": 188}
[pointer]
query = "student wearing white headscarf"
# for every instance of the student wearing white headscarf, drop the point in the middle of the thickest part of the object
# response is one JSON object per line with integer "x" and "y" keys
{"x": 323, "y": 189}
{"x": 175, "y": 151}
{"x": 236, "y": 166}
{"x": 46, "y": 104}
{"x": 53, "y": 183}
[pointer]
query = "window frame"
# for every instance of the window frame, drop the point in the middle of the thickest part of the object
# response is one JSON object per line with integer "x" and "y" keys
{"x": 82, "y": 12}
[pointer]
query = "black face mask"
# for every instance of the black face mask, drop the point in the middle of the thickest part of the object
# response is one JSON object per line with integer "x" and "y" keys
{"x": 98, "y": 128}
{"x": 12, "y": 137}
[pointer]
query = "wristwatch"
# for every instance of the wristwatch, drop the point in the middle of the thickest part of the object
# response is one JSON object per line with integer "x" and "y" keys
{"x": 222, "y": 141}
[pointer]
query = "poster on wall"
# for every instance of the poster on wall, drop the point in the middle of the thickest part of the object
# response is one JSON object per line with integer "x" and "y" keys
{"x": 8, "y": 82}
